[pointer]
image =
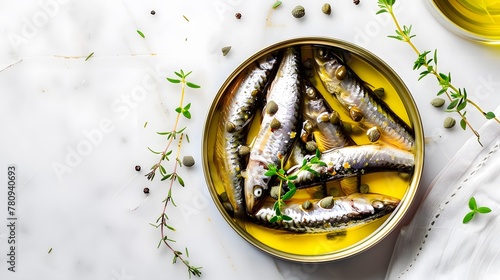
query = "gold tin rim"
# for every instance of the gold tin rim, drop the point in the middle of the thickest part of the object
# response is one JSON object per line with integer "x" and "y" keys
{"x": 410, "y": 106}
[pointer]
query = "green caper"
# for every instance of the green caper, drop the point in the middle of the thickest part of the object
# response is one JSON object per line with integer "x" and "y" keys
{"x": 306, "y": 205}
{"x": 437, "y": 102}
{"x": 318, "y": 194}
{"x": 449, "y": 122}
{"x": 223, "y": 197}
{"x": 228, "y": 206}
{"x": 311, "y": 146}
{"x": 326, "y": 9}
{"x": 275, "y": 124}
{"x": 230, "y": 127}
{"x": 340, "y": 73}
{"x": 271, "y": 107}
{"x": 335, "y": 118}
{"x": 326, "y": 202}
{"x": 334, "y": 192}
{"x": 364, "y": 188}
{"x": 225, "y": 50}
{"x": 373, "y": 134}
{"x": 323, "y": 117}
{"x": 356, "y": 114}
{"x": 244, "y": 150}
{"x": 298, "y": 11}
{"x": 380, "y": 92}
{"x": 188, "y": 161}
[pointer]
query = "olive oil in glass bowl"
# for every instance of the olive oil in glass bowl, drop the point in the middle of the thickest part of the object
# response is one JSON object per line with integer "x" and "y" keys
{"x": 477, "y": 20}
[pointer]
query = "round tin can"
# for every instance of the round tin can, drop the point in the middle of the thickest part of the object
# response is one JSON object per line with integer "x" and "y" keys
{"x": 334, "y": 244}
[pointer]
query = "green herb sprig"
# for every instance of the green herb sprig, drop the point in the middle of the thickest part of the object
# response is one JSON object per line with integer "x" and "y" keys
{"x": 283, "y": 178}
{"x": 178, "y": 135}
{"x": 429, "y": 66}
{"x": 474, "y": 209}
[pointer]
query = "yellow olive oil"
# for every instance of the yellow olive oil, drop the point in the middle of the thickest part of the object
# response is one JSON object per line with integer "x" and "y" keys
{"x": 306, "y": 247}
{"x": 477, "y": 19}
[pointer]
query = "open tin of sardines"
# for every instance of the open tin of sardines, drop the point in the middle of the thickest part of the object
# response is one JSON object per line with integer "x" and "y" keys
{"x": 313, "y": 149}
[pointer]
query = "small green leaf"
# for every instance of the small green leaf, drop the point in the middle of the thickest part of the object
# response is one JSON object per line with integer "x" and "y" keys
{"x": 483, "y": 210}
{"x": 154, "y": 152}
{"x": 452, "y": 104}
{"x": 186, "y": 114}
{"x": 181, "y": 182}
{"x": 89, "y": 56}
{"x": 273, "y": 219}
{"x": 472, "y": 203}
{"x": 162, "y": 170}
{"x": 489, "y": 115}
{"x": 462, "y": 105}
{"x": 174, "y": 81}
{"x": 463, "y": 124}
{"x": 185, "y": 18}
{"x": 286, "y": 218}
{"x": 192, "y": 85}
{"x": 289, "y": 194}
{"x": 178, "y": 110}
{"x": 276, "y": 4}
{"x": 381, "y": 11}
{"x": 140, "y": 33}
{"x": 468, "y": 217}
{"x": 270, "y": 173}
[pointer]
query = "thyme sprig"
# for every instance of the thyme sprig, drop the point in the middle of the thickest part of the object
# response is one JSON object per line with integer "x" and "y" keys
{"x": 429, "y": 66}
{"x": 178, "y": 135}
{"x": 285, "y": 179}
{"x": 474, "y": 209}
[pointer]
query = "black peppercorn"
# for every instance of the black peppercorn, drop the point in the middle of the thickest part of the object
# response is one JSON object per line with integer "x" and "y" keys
{"x": 146, "y": 190}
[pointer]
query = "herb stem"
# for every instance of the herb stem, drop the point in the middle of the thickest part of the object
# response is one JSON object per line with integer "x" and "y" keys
{"x": 404, "y": 35}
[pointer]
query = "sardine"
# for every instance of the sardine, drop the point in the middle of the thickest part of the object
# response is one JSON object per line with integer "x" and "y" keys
{"x": 329, "y": 214}
{"x": 360, "y": 101}
{"x": 327, "y": 130}
{"x": 354, "y": 161}
{"x": 238, "y": 108}
{"x": 277, "y": 130}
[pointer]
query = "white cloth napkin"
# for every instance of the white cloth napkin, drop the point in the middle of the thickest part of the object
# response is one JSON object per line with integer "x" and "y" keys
{"x": 436, "y": 244}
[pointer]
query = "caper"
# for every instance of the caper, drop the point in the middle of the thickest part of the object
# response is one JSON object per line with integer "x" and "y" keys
{"x": 323, "y": 117}
{"x": 308, "y": 126}
{"x": 298, "y": 11}
{"x": 230, "y": 127}
{"x": 340, "y": 73}
{"x": 271, "y": 107}
{"x": 310, "y": 92}
{"x": 188, "y": 161}
{"x": 373, "y": 134}
{"x": 333, "y": 192}
{"x": 225, "y": 50}
{"x": 306, "y": 205}
{"x": 228, "y": 206}
{"x": 335, "y": 118}
{"x": 437, "y": 102}
{"x": 311, "y": 146}
{"x": 309, "y": 63}
{"x": 244, "y": 150}
{"x": 364, "y": 188}
{"x": 223, "y": 197}
{"x": 356, "y": 114}
{"x": 449, "y": 122}
{"x": 318, "y": 194}
{"x": 326, "y": 202}
{"x": 380, "y": 92}
{"x": 275, "y": 124}
{"x": 326, "y": 9}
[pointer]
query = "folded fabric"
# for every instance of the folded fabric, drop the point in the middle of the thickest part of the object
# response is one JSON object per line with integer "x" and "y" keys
{"x": 437, "y": 244}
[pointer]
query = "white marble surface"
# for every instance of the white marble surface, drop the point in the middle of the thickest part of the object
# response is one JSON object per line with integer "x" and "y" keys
{"x": 56, "y": 109}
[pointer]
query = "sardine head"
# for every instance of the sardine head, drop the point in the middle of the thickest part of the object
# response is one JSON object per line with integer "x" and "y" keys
{"x": 256, "y": 186}
{"x": 330, "y": 68}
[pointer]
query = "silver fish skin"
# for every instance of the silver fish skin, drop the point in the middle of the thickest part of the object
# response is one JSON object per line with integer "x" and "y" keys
{"x": 354, "y": 161}
{"x": 318, "y": 114}
{"x": 272, "y": 143}
{"x": 354, "y": 94}
{"x": 238, "y": 109}
{"x": 337, "y": 214}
